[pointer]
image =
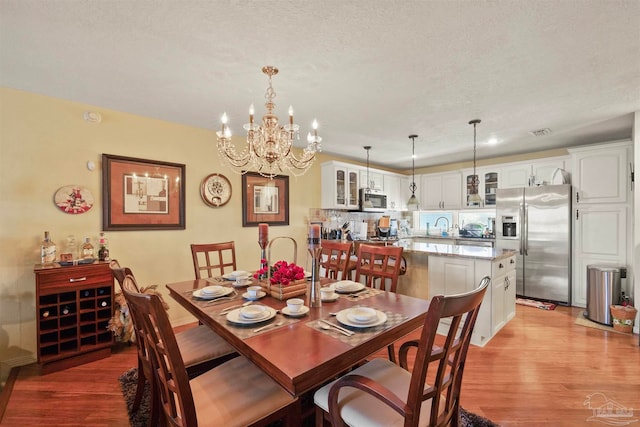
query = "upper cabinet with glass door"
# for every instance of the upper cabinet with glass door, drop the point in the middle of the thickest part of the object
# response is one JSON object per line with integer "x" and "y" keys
{"x": 487, "y": 186}
{"x": 339, "y": 186}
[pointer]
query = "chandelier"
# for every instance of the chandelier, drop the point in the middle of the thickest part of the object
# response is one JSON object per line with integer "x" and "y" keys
{"x": 269, "y": 145}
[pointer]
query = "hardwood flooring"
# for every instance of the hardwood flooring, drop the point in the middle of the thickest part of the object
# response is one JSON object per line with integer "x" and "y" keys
{"x": 539, "y": 370}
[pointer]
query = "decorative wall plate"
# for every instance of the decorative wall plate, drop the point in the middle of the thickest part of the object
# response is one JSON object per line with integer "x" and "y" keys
{"x": 215, "y": 190}
{"x": 73, "y": 199}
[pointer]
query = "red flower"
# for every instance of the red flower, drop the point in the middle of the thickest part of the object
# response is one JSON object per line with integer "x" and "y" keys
{"x": 284, "y": 273}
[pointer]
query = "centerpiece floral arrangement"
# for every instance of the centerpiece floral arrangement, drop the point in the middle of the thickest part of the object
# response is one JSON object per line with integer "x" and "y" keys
{"x": 282, "y": 272}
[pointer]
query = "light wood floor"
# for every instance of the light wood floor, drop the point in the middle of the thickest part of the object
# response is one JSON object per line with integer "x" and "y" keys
{"x": 538, "y": 370}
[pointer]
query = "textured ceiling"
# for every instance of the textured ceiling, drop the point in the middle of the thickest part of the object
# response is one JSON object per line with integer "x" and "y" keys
{"x": 371, "y": 71}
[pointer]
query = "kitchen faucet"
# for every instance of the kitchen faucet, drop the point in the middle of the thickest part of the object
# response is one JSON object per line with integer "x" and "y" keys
{"x": 438, "y": 220}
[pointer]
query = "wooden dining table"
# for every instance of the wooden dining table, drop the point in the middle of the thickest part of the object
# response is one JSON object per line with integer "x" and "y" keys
{"x": 299, "y": 354}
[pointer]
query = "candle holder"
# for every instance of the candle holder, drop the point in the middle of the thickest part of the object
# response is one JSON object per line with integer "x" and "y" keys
{"x": 315, "y": 250}
{"x": 264, "y": 263}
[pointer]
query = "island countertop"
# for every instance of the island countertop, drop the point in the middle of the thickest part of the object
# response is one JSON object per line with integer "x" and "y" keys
{"x": 464, "y": 251}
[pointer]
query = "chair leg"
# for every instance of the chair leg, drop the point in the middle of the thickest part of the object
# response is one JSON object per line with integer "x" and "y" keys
{"x": 139, "y": 387}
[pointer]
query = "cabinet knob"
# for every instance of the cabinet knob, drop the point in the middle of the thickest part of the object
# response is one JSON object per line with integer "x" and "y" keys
{"x": 500, "y": 265}
{"x": 512, "y": 262}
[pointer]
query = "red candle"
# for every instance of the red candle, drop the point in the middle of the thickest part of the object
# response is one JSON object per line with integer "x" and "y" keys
{"x": 314, "y": 235}
{"x": 263, "y": 233}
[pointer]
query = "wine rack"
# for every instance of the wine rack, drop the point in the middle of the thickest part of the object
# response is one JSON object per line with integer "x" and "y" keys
{"x": 73, "y": 307}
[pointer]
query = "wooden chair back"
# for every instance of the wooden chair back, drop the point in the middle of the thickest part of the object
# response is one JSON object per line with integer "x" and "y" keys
{"x": 335, "y": 259}
{"x": 379, "y": 263}
{"x": 172, "y": 382}
{"x": 119, "y": 272}
{"x": 213, "y": 258}
{"x": 448, "y": 360}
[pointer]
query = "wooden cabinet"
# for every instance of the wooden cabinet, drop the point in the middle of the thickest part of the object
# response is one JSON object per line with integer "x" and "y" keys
{"x": 73, "y": 308}
{"x": 441, "y": 191}
{"x": 340, "y": 184}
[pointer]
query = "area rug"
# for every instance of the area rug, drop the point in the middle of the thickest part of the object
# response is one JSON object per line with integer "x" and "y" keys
{"x": 537, "y": 304}
{"x": 583, "y": 321}
{"x": 140, "y": 418}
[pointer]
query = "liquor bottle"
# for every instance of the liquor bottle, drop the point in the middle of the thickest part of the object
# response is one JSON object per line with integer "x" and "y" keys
{"x": 87, "y": 249}
{"x": 72, "y": 248}
{"x": 47, "y": 250}
{"x": 103, "y": 252}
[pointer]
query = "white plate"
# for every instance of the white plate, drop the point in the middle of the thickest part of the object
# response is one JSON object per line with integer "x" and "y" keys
{"x": 234, "y": 274}
{"x": 303, "y": 310}
{"x": 213, "y": 290}
{"x": 254, "y": 312}
{"x": 348, "y": 286}
{"x": 333, "y": 297}
{"x": 234, "y": 317}
{"x": 198, "y": 294}
{"x": 244, "y": 285}
{"x": 343, "y": 318}
{"x": 257, "y": 297}
{"x": 363, "y": 315}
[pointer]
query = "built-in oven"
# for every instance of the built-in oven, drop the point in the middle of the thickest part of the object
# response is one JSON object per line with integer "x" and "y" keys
{"x": 372, "y": 201}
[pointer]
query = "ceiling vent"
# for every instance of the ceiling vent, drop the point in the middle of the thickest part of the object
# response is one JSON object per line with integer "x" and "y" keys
{"x": 540, "y": 132}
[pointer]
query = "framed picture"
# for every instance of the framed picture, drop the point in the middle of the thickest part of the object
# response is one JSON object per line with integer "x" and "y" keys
{"x": 265, "y": 200}
{"x": 140, "y": 194}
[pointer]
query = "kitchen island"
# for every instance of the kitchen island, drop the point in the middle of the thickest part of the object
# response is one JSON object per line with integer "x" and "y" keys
{"x": 445, "y": 269}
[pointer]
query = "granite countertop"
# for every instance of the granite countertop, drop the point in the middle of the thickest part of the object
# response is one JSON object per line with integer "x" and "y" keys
{"x": 451, "y": 237}
{"x": 464, "y": 251}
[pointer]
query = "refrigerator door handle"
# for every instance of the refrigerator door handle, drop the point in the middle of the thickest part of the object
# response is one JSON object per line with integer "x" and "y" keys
{"x": 525, "y": 238}
{"x": 521, "y": 229}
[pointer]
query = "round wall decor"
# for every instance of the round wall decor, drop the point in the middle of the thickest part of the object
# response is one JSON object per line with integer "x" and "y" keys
{"x": 73, "y": 199}
{"x": 215, "y": 190}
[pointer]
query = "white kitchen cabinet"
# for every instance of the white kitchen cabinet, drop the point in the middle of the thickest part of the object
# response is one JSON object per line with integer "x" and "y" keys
{"x": 339, "y": 186}
{"x": 391, "y": 186}
{"x": 600, "y": 173}
{"x": 451, "y": 275}
{"x": 375, "y": 179}
{"x": 441, "y": 191}
{"x": 600, "y": 237}
{"x": 525, "y": 174}
{"x": 503, "y": 293}
{"x": 487, "y": 186}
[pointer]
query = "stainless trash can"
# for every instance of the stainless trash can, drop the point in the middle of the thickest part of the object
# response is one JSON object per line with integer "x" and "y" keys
{"x": 603, "y": 290}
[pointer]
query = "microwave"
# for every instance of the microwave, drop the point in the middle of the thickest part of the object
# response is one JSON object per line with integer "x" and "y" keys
{"x": 372, "y": 201}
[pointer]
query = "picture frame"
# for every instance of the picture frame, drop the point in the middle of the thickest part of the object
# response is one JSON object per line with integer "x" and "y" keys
{"x": 264, "y": 200}
{"x": 142, "y": 194}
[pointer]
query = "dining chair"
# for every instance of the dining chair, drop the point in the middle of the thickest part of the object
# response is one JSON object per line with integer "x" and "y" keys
{"x": 200, "y": 347}
{"x": 380, "y": 393}
{"x": 213, "y": 258}
{"x": 336, "y": 259}
{"x": 236, "y": 393}
{"x": 375, "y": 265}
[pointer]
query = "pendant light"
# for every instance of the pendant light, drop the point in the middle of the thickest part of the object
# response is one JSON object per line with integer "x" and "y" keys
{"x": 367, "y": 203}
{"x": 474, "y": 197}
{"x": 412, "y": 204}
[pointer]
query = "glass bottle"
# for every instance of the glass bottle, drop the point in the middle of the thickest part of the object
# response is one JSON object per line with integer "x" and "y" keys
{"x": 72, "y": 248}
{"x": 103, "y": 251}
{"x": 87, "y": 249}
{"x": 47, "y": 250}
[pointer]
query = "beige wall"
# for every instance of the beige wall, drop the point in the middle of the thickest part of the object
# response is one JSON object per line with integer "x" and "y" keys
{"x": 45, "y": 144}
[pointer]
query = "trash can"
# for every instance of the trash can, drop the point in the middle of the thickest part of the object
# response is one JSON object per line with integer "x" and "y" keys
{"x": 603, "y": 290}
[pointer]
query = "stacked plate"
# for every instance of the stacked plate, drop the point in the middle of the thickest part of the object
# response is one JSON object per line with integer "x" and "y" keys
{"x": 251, "y": 314}
{"x": 234, "y": 274}
{"x": 212, "y": 292}
{"x": 348, "y": 287}
{"x": 361, "y": 317}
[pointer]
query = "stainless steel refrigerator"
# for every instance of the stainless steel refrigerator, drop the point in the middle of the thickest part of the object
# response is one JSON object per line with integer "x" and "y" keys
{"x": 536, "y": 222}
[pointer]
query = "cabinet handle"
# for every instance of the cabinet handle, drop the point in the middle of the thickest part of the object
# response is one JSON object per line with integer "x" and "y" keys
{"x": 577, "y": 214}
{"x": 577, "y": 197}
{"x": 500, "y": 265}
{"x": 80, "y": 279}
{"x": 506, "y": 283}
{"x": 512, "y": 262}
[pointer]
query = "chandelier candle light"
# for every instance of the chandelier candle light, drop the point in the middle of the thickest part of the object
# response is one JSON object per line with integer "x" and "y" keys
{"x": 269, "y": 145}
{"x": 315, "y": 250}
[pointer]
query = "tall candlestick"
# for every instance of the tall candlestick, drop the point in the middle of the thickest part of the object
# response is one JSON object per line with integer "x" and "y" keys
{"x": 315, "y": 250}
{"x": 263, "y": 233}
{"x": 314, "y": 236}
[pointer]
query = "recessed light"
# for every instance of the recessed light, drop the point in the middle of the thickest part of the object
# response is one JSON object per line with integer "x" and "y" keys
{"x": 492, "y": 141}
